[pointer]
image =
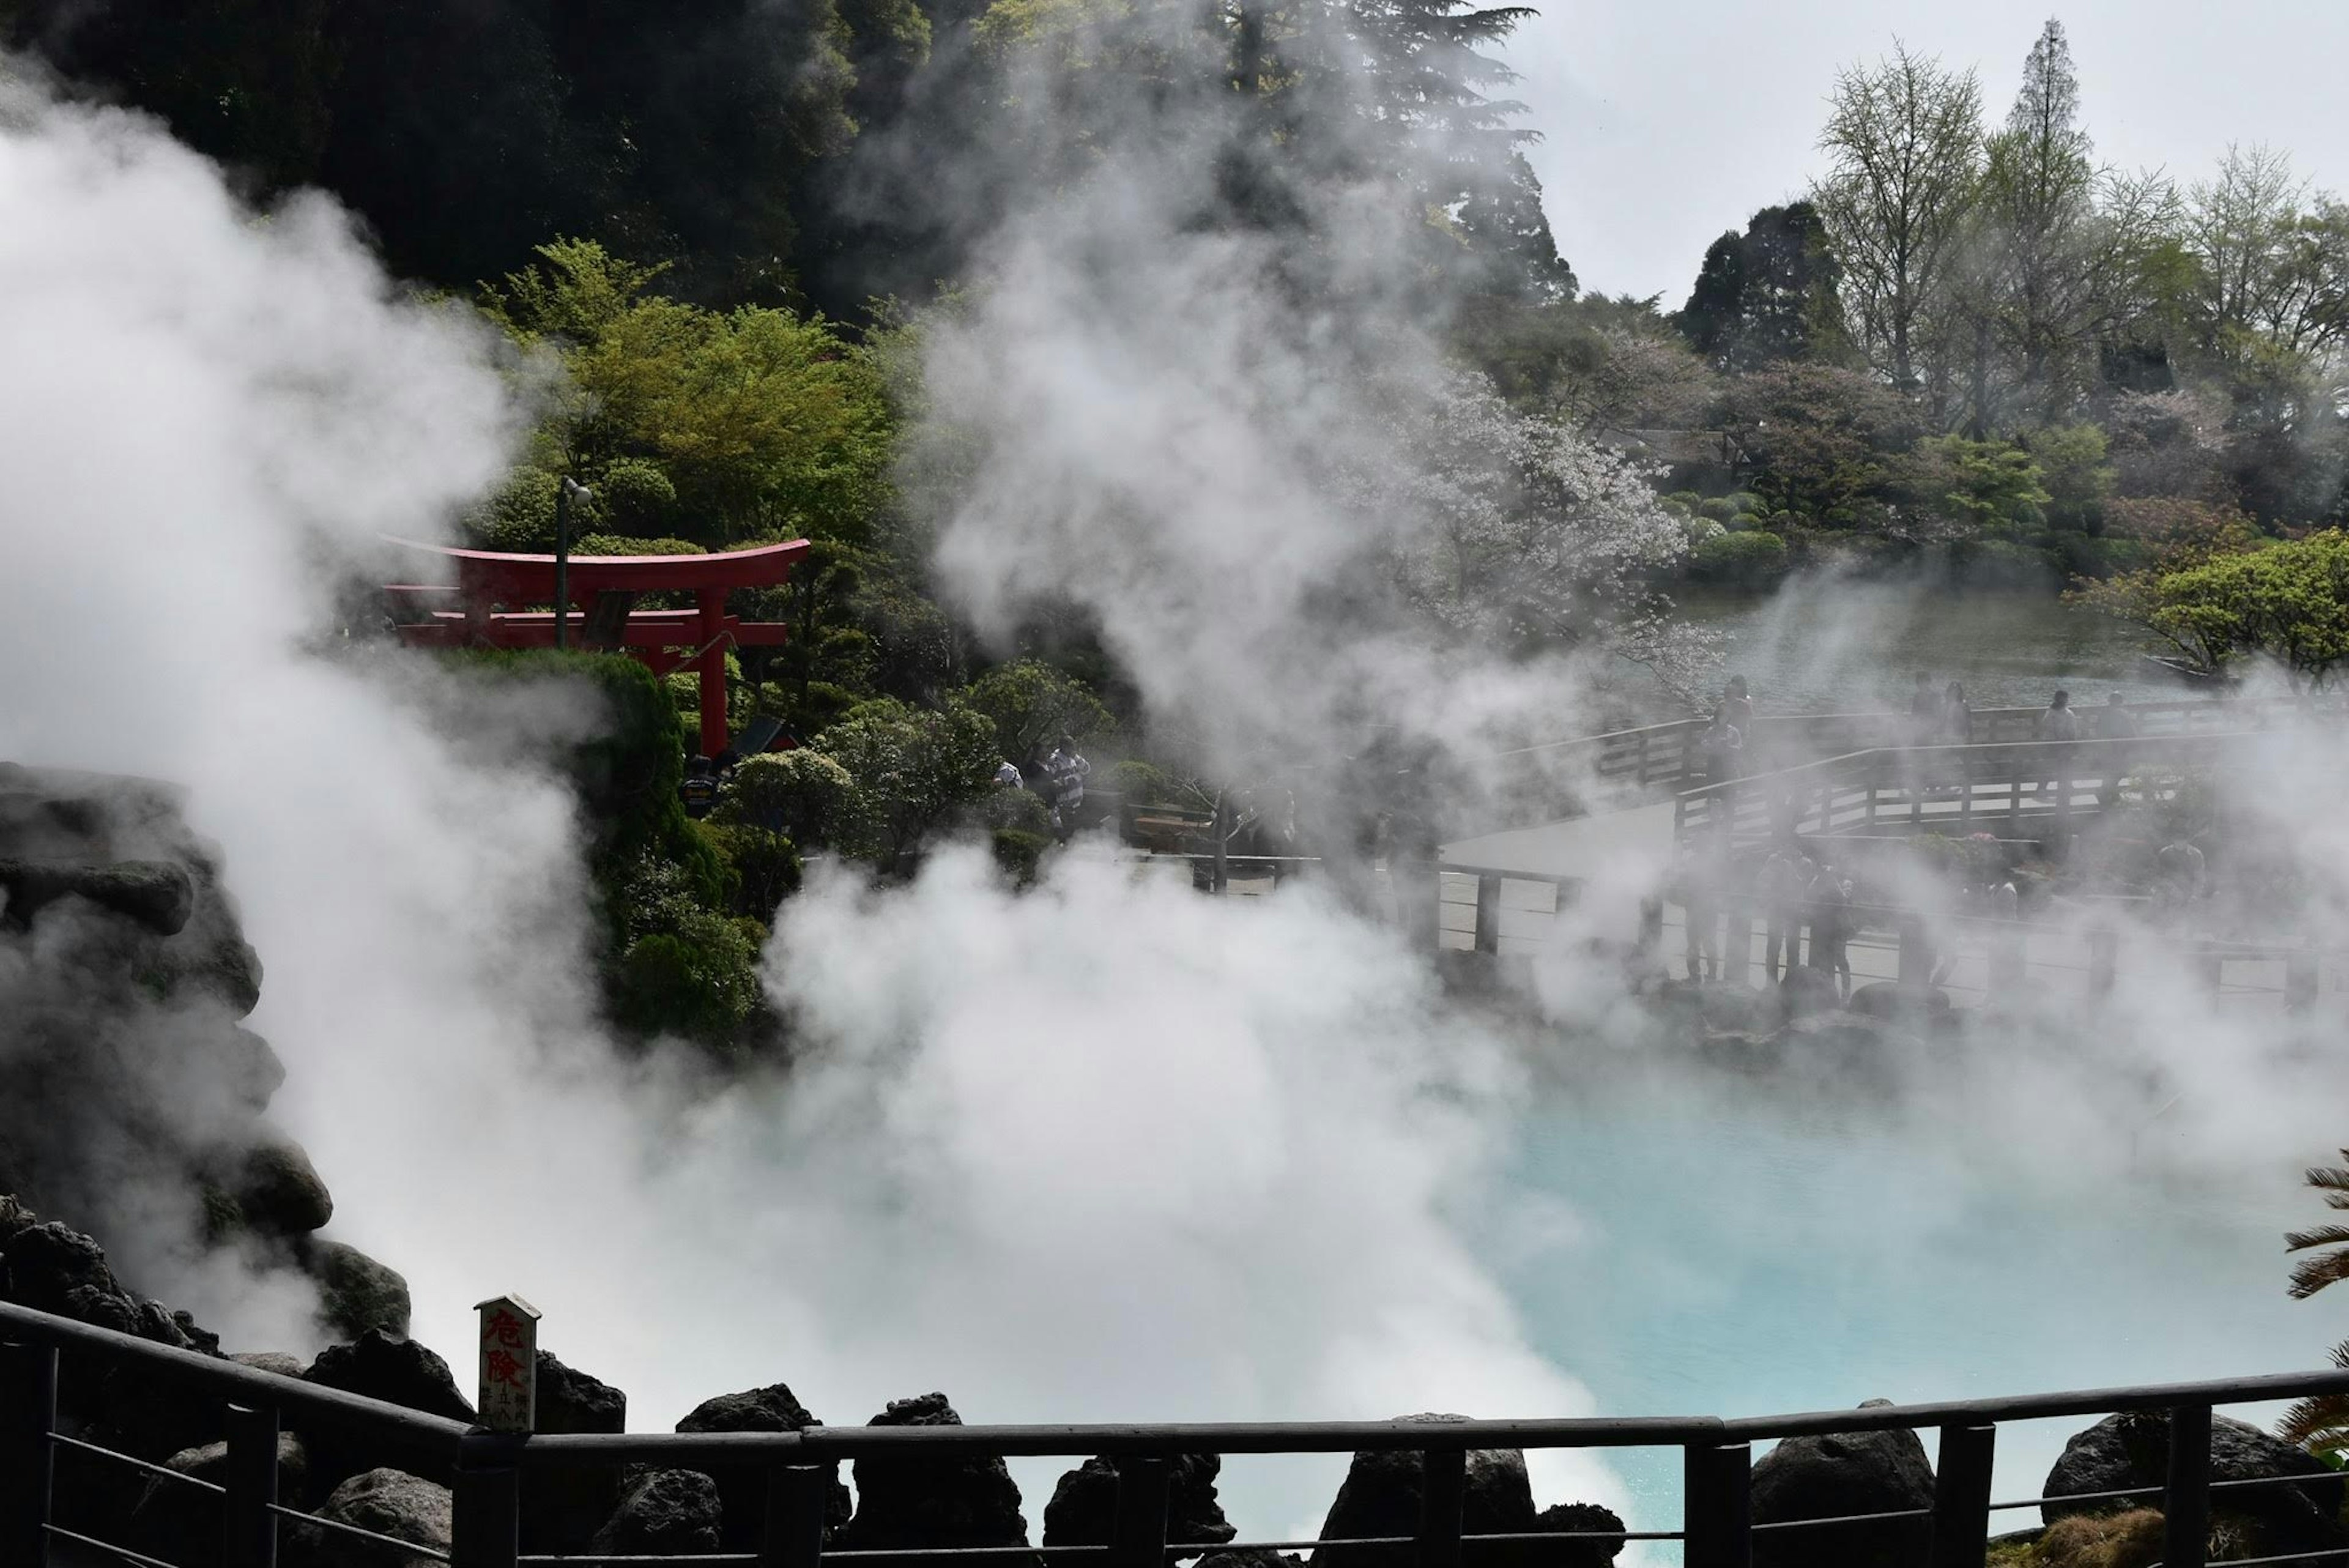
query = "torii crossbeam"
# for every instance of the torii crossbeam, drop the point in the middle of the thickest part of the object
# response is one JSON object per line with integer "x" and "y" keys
{"x": 489, "y": 586}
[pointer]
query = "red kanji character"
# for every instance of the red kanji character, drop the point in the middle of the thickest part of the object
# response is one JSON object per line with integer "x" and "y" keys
{"x": 504, "y": 1328}
{"x": 505, "y": 1368}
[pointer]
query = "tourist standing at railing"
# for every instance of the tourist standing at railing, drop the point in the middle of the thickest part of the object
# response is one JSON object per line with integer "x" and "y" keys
{"x": 2059, "y": 723}
{"x": 1784, "y": 880}
{"x": 2113, "y": 723}
{"x": 1724, "y": 750}
{"x": 1737, "y": 705}
{"x": 1831, "y": 929}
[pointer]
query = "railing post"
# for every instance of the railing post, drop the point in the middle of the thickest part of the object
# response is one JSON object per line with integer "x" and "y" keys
{"x": 1488, "y": 912}
{"x": 1138, "y": 1534}
{"x": 487, "y": 1504}
{"x": 1962, "y": 1497}
{"x": 797, "y": 1496}
{"x": 1717, "y": 1507}
{"x": 1443, "y": 1499}
{"x": 28, "y": 1414}
{"x": 248, "y": 1530}
{"x": 2186, "y": 1500}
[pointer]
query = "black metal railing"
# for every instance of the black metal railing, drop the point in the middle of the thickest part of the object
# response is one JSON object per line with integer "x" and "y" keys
{"x": 488, "y": 1472}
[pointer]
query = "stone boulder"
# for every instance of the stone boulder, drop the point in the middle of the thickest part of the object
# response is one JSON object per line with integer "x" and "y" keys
{"x": 1805, "y": 990}
{"x": 562, "y": 1510}
{"x": 1909, "y": 1003}
{"x": 662, "y": 1511}
{"x": 387, "y": 1501}
{"x": 182, "y": 1524}
{"x": 276, "y": 1361}
{"x": 774, "y": 1408}
{"x": 1083, "y": 1510}
{"x": 909, "y": 1502}
{"x": 279, "y": 1191}
{"x": 1589, "y": 1521}
{"x": 1380, "y": 1497}
{"x": 378, "y": 1366}
{"x": 153, "y": 894}
{"x": 2132, "y": 1449}
{"x": 1839, "y": 1474}
{"x": 355, "y": 1293}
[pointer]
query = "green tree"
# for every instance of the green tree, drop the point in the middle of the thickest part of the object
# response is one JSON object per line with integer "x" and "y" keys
{"x": 1032, "y": 705}
{"x": 1767, "y": 295}
{"x": 1993, "y": 485}
{"x": 914, "y": 768}
{"x": 1904, "y": 142}
{"x": 1820, "y": 441}
{"x": 2289, "y": 602}
{"x": 2322, "y": 1424}
{"x": 765, "y": 424}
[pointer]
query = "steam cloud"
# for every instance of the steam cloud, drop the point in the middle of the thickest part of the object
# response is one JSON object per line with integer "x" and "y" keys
{"x": 1106, "y": 1151}
{"x": 1006, "y": 1174}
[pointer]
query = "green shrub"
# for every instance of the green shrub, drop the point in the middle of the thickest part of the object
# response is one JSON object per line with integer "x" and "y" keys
{"x": 1720, "y": 508}
{"x": 699, "y": 981}
{"x": 1012, "y": 810}
{"x": 1034, "y": 705}
{"x": 638, "y": 497}
{"x": 1141, "y": 782}
{"x": 1745, "y": 557}
{"x": 766, "y": 866}
{"x": 1018, "y": 852}
{"x": 518, "y": 516}
{"x": 802, "y": 792}
{"x": 914, "y": 768}
{"x": 632, "y": 544}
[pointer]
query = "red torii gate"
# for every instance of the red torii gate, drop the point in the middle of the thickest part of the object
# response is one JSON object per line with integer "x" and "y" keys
{"x": 665, "y": 639}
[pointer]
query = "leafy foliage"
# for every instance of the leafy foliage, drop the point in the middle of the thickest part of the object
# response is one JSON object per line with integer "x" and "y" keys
{"x": 801, "y": 792}
{"x": 2322, "y": 1424}
{"x": 913, "y": 769}
{"x": 1032, "y": 705}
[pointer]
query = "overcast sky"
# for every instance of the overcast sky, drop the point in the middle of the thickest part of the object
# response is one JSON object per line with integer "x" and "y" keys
{"x": 1665, "y": 122}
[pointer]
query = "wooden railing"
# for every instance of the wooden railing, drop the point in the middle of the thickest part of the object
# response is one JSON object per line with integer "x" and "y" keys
{"x": 44, "y": 1359}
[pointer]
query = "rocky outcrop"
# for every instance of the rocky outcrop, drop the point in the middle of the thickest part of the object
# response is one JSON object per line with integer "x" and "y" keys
{"x": 135, "y": 1096}
{"x": 1596, "y": 1532}
{"x": 1836, "y": 1476}
{"x": 664, "y": 1511}
{"x": 562, "y": 1510}
{"x": 397, "y": 1371}
{"x": 904, "y": 1502}
{"x": 1380, "y": 1497}
{"x": 1083, "y": 1510}
{"x": 2129, "y": 1450}
{"x": 182, "y": 1525}
{"x": 774, "y": 1408}
{"x": 388, "y": 1502}
{"x": 355, "y": 1293}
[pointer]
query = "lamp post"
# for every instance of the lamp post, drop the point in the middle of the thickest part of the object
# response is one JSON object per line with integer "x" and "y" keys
{"x": 563, "y": 495}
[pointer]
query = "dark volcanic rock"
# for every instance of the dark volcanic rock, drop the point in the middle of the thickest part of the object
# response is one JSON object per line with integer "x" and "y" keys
{"x": 932, "y": 1502}
{"x": 357, "y": 1293}
{"x": 1380, "y": 1497}
{"x": 1883, "y": 999}
{"x": 1806, "y": 991}
{"x": 2131, "y": 1451}
{"x": 276, "y": 1361}
{"x": 387, "y": 1501}
{"x": 1581, "y": 1519}
{"x": 397, "y": 1371}
{"x": 55, "y": 1269}
{"x": 664, "y": 1511}
{"x": 155, "y": 894}
{"x": 280, "y": 1192}
{"x": 1839, "y": 1474}
{"x": 562, "y": 1510}
{"x": 773, "y": 1409}
{"x": 182, "y": 1525}
{"x": 1083, "y": 1510}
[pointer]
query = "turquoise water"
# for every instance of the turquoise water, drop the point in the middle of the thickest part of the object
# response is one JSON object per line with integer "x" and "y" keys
{"x": 1756, "y": 1258}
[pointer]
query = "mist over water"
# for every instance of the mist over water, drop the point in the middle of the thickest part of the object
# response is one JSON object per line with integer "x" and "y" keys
{"x": 1106, "y": 1151}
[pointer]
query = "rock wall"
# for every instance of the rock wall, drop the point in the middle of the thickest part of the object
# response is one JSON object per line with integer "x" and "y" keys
{"x": 137, "y": 1099}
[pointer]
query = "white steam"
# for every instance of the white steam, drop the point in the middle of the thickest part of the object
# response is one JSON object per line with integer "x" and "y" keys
{"x": 1106, "y": 1151}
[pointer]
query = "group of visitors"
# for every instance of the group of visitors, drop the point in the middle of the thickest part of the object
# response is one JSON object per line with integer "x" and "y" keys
{"x": 1791, "y": 890}
{"x": 705, "y": 778}
{"x": 1059, "y": 778}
